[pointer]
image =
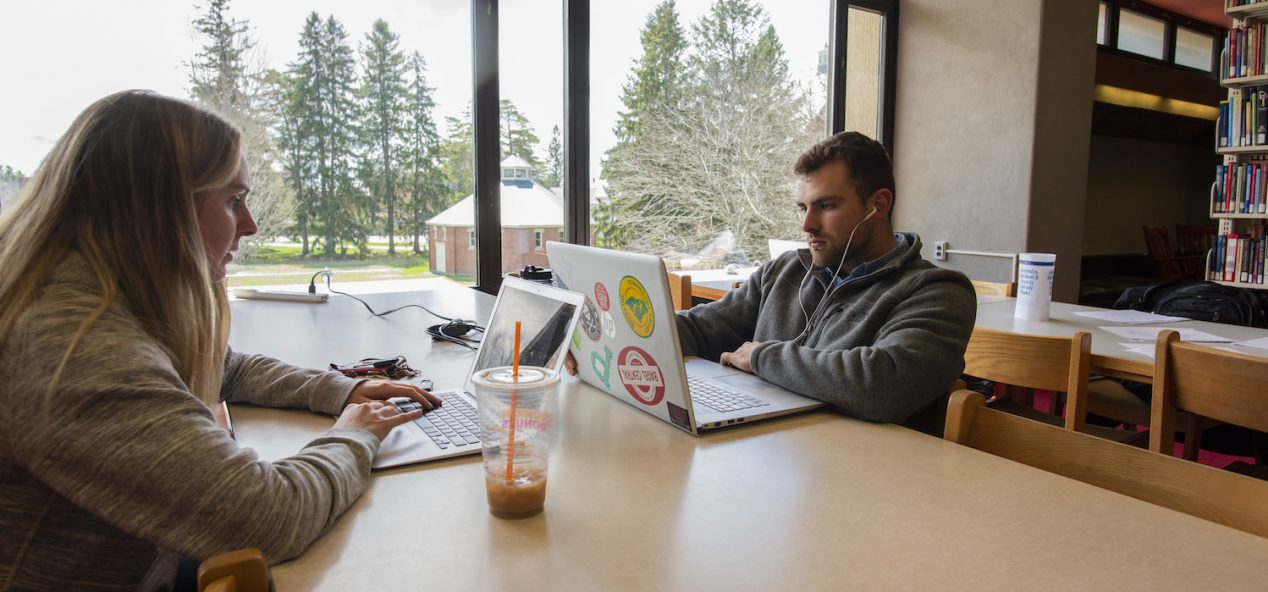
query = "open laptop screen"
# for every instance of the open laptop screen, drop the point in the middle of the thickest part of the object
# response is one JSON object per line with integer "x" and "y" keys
{"x": 546, "y": 315}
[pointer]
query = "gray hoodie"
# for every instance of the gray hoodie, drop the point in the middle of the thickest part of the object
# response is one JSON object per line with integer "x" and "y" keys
{"x": 885, "y": 346}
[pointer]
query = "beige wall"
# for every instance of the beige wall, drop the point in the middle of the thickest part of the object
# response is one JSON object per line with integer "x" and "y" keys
{"x": 993, "y": 119}
{"x": 1133, "y": 183}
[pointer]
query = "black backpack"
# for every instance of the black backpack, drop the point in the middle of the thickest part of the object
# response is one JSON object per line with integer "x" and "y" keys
{"x": 1197, "y": 300}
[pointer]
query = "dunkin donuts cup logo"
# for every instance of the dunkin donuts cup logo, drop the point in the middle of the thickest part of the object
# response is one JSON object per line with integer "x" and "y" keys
{"x": 636, "y": 307}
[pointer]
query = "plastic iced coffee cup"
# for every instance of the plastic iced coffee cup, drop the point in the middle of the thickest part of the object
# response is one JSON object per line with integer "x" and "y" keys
{"x": 516, "y": 418}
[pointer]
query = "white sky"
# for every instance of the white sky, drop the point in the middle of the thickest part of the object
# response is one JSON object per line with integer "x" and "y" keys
{"x": 61, "y": 55}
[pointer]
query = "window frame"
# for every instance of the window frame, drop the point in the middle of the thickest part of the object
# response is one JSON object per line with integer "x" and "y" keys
{"x": 576, "y": 120}
{"x": 1171, "y": 22}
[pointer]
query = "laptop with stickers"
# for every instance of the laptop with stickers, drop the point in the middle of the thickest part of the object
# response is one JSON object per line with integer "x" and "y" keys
{"x": 626, "y": 345}
{"x": 547, "y": 317}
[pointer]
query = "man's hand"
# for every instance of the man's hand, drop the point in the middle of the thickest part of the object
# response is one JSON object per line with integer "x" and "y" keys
{"x": 740, "y": 358}
{"x": 570, "y": 364}
{"x": 382, "y": 390}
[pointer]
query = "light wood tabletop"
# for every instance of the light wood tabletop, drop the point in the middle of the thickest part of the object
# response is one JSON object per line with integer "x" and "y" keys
{"x": 809, "y": 502}
{"x": 1109, "y": 357}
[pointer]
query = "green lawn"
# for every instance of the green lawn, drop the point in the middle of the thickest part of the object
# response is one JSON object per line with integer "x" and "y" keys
{"x": 284, "y": 265}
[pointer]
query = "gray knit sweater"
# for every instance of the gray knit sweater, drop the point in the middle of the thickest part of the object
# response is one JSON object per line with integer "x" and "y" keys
{"x": 885, "y": 346}
{"x": 105, "y": 480}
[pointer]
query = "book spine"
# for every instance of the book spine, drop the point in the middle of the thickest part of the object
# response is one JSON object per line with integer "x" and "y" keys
{"x": 1243, "y": 266}
{"x": 1217, "y": 259}
{"x": 1230, "y": 257}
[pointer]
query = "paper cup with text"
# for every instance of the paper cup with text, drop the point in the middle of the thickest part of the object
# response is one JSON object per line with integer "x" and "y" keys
{"x": 517, "y": 416}
{"x": 1034, "y": 285}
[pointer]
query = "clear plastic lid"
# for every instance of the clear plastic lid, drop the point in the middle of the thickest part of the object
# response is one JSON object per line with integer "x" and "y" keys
{"x": 503, "y": 378}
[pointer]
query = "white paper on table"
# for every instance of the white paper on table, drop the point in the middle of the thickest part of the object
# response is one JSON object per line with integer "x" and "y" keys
{"x": 1261, "y": 343}
{"x": 1139, "y": 348}
{"x": 1129, "y": 317}
{"x": 1151, "y": 333}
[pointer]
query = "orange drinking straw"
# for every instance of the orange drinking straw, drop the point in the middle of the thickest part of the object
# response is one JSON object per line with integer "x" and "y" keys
{"x": 515, "y": 377}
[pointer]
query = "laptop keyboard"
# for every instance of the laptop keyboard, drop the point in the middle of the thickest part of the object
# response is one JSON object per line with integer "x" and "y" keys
{"x": 718, "y": 399}
{"x": 455, "y": 423}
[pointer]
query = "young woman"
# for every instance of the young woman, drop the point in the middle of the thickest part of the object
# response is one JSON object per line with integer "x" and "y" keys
{"x": 113, "y": 353}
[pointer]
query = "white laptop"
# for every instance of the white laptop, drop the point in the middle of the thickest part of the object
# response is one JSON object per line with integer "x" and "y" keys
{"x": 547, "y": 317}
{"x": 627, "y": 346}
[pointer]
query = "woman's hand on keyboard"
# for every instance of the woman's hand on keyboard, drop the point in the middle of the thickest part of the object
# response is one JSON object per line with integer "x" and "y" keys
{"x": 376, "y": 417}
{"x": 382, "y": 390}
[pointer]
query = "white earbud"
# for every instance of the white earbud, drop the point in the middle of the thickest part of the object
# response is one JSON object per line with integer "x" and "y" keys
{"x": 869, "y": 215}
{"x": 827, "y": 293}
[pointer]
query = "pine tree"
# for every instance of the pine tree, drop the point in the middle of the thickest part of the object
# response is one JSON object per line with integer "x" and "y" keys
{"x": 384, "y": 94}
{"x": 657, "y": 74}
{"x": 325, "y": 113}
{"x": 553, "y": 176}
{"x": 717, "y": 159}
{"x": 227, "y": 76}
{"x": 653, "y": 85}
{"x": 518, "y": 137}
{"x": 219, "y": 69}
{"x": 421, "y": 153}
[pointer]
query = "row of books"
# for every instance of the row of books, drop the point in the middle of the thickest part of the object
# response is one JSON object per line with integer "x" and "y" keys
{"x": 1241, "y": 188}
{"x": 1244, "y": 118}
{"x": 1232, "y": 3}
{"x": 1245, "y": 51}
{"x": 1237, "y": 258}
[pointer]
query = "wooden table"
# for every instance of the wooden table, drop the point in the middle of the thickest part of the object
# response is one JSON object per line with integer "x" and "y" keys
{"x": 713, "y": 284}
{"x": 810, "y": 502}
{"x": 1109, "y": 358}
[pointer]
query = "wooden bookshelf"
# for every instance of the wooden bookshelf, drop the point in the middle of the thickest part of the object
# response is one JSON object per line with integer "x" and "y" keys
{"x": 1245, "y": 16}
{"x": 1244, "y": 81}
{"x": 1247, "y": 11}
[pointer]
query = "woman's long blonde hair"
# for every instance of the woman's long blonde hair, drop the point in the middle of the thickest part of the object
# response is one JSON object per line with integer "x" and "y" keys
{"x": 118, "y": 188}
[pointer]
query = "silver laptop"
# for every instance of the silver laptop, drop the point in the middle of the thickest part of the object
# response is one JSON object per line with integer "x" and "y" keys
{"x": 547, "y": 316}
{"x": 627, "y": 346}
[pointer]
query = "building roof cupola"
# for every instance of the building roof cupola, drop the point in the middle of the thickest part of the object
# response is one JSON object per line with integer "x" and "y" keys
{"x": 515, "y": 168}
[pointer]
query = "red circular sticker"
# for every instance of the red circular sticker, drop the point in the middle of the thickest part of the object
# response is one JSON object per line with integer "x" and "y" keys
{"x": 640, "y": 375}
{"x": 601, "y": 296}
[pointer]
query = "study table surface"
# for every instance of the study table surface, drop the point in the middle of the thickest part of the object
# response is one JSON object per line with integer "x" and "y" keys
{"x": 812, "y": 502}
{"x": 1109, "y": 357}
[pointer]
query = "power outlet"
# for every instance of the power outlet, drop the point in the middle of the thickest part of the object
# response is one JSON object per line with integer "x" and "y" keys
{"x": 940, "y": 250}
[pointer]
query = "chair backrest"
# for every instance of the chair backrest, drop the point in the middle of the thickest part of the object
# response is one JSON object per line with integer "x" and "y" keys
{"x": 778, "y": 247}
{"x": 1035, "y": 362}
{"x": 679, "y": 290}
{"x": 243, "y": 570}
{"x": 1198, "y": 490}
{"x": 1158, "y": 246}
{"x": 1222, "y": 385}
{"x": 995, "y": 288}
{"x": 1194, "y": 238}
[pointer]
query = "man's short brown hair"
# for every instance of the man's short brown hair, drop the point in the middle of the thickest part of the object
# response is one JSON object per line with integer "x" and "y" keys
{"x": 865, "y": 160}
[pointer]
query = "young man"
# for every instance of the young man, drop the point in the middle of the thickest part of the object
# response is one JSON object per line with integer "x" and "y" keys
{"x": 857, "y": 320}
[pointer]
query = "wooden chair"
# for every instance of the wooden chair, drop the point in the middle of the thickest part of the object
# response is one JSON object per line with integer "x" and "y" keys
{"x": 1167, "y": 265}
{"x": 1220, "y": 385}
{"x": 1194, "y": 239}
{"x": 1108, "y": 398}
{"x": 243, "y": 570}
{"x": 1198, "y": 490}
{"x": 1027, "y": 362}
{"x": 995, "y": 288}
{"x": 679, "y": 290}
{"x": 1034, "y": 362}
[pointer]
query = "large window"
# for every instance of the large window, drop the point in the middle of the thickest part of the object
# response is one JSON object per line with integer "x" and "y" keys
{"x": 355, "y": 115}
{"x": 1146, "y": 31}
{"x": 373, "y": 146}
{"x": 700, "y": 108}
{"x": 1145, "y": 35}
